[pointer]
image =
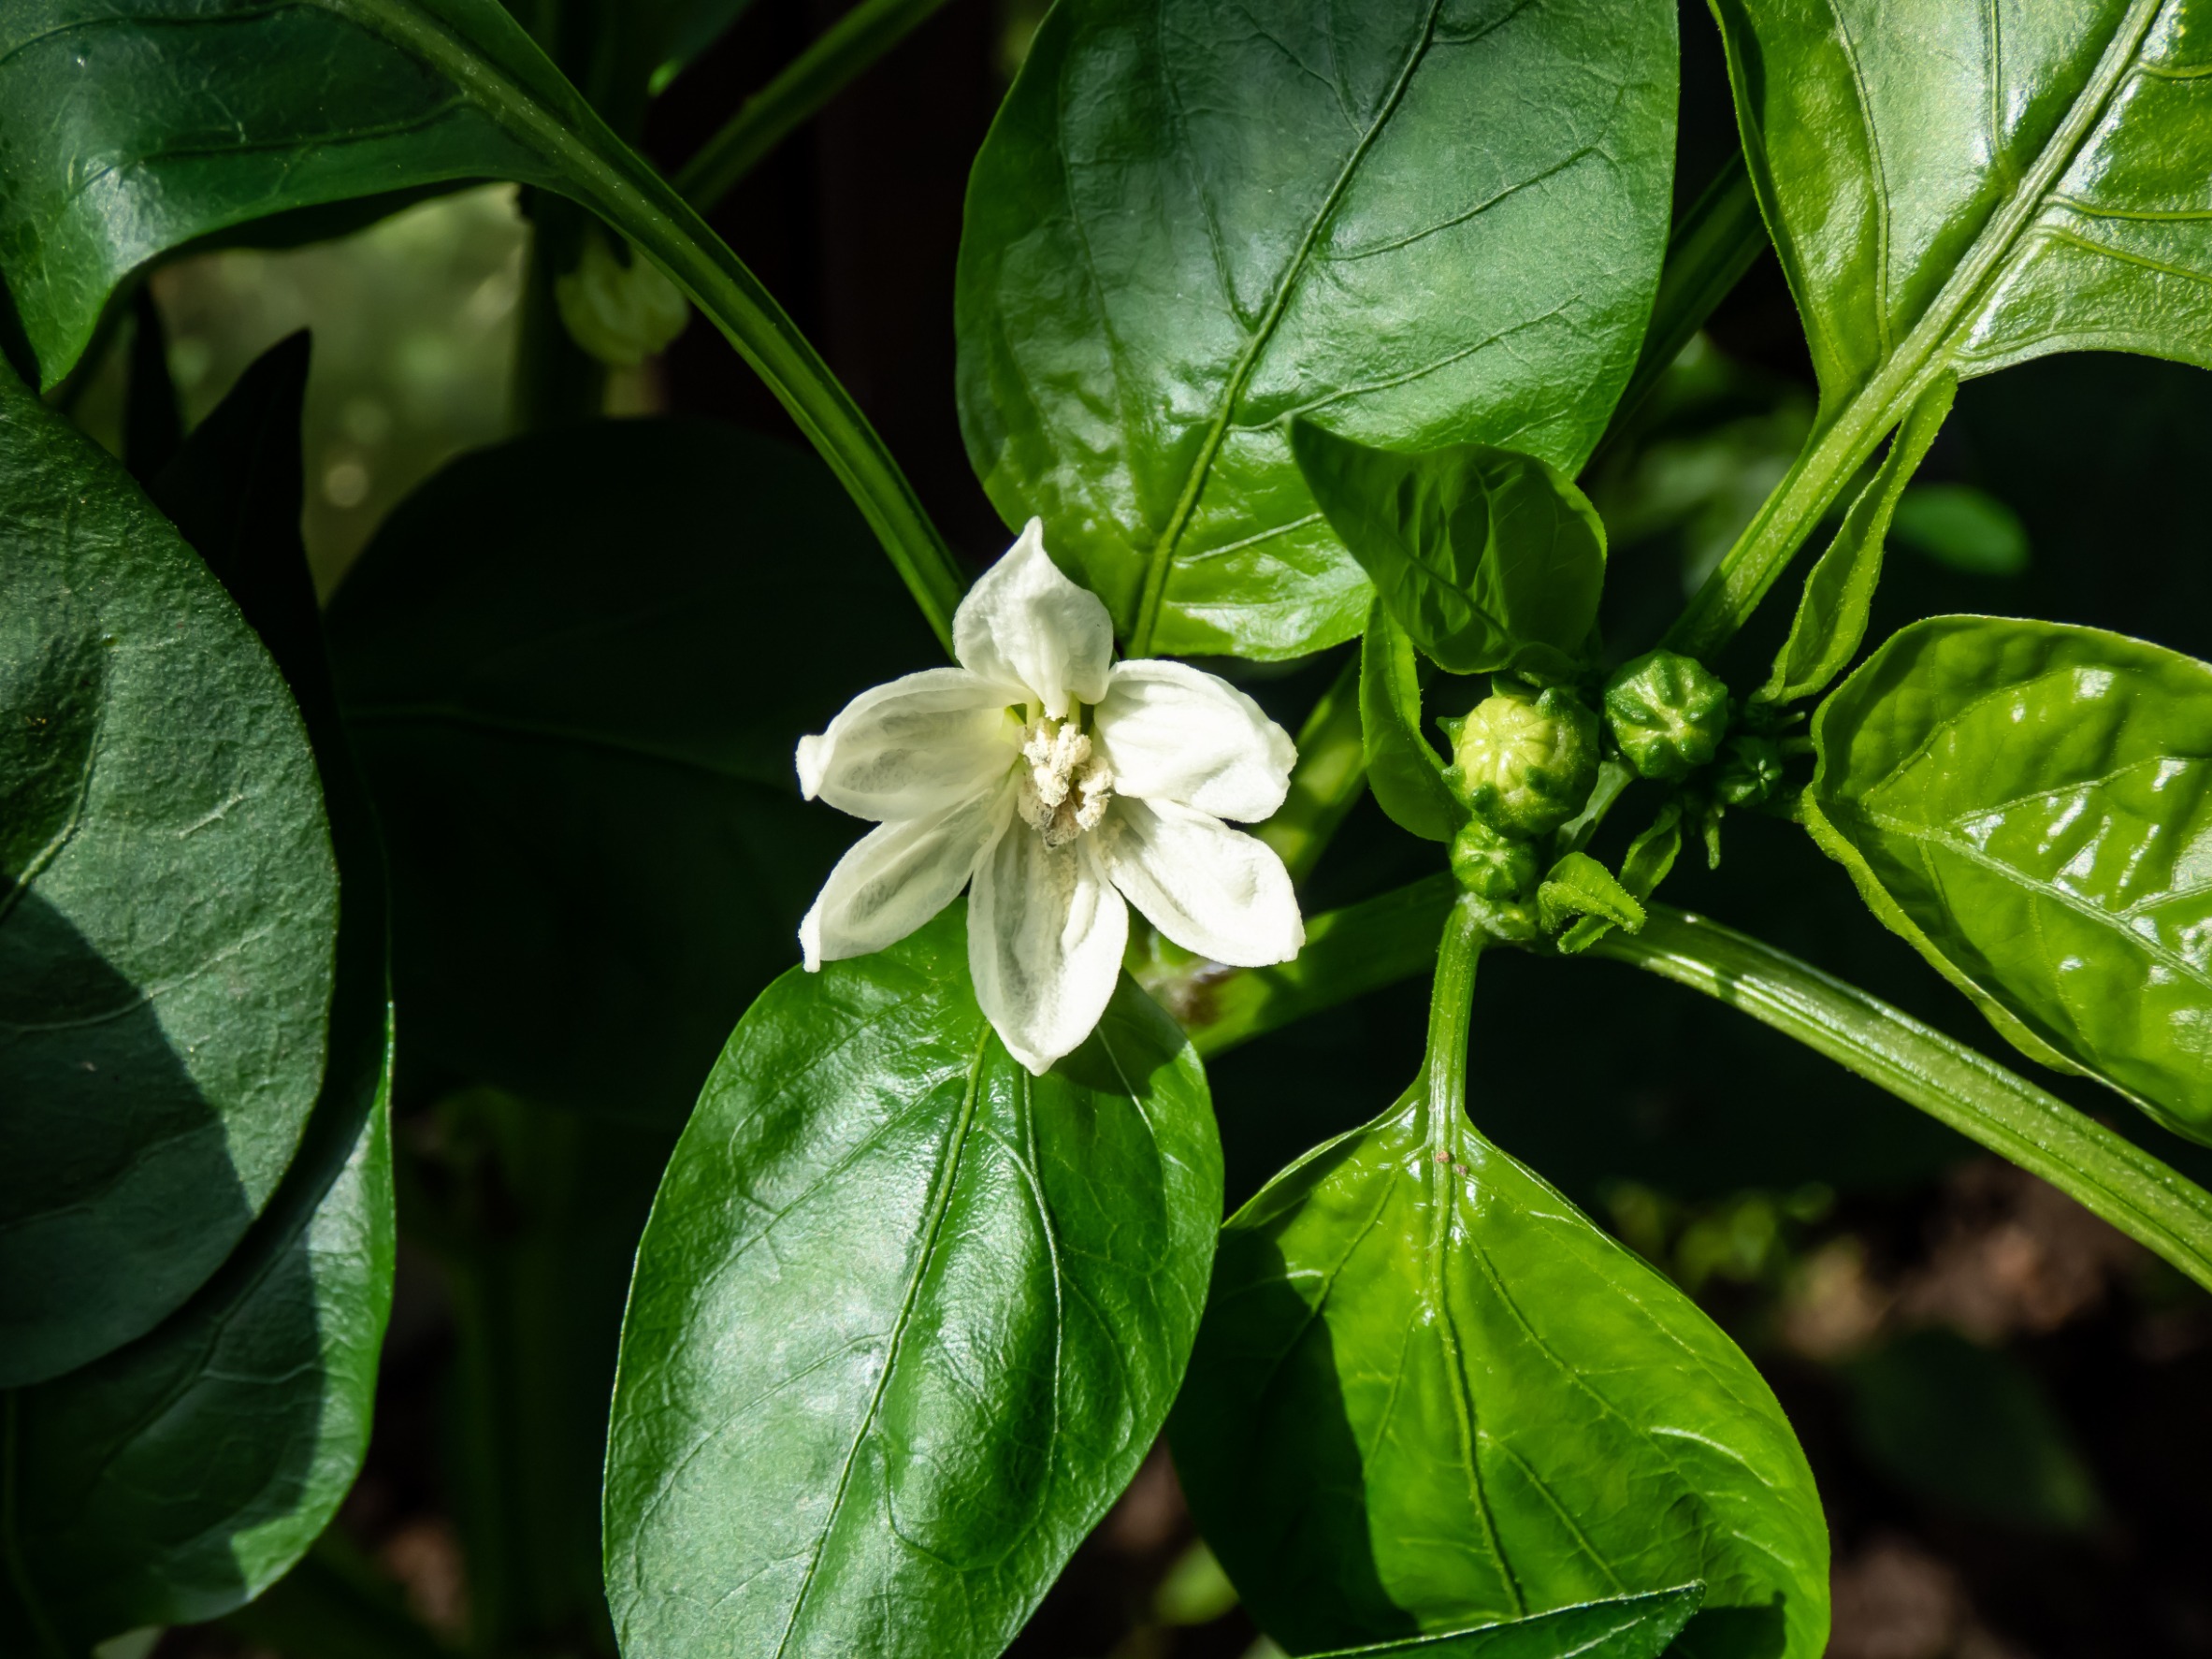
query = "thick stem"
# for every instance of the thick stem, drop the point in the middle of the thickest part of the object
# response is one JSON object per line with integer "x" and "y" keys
{"x": 1331, "y": 770}
{"x": 2104, "y": 1173}
{"x": 1451, "y": 1009}
{"x": 767, "y": 118}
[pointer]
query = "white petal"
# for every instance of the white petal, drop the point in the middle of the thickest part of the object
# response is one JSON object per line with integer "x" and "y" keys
{"x": 1173, "y": 732}
{"x": 898, "y": 875}
{"x": 913, "y": 748}
{"x": 1045, "y": 932}
{"x": 1024, "y": 624}
{"x": 1210, "y": 888}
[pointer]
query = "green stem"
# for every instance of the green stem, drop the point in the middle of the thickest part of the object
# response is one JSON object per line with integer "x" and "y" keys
{"x": 1450, "y": 1010}
{"x": 50, "y": 1645}
{"x": 1349, "y": 952}
{"x": 1712, "y": 246}
{"x": 1331, "y": 770}
{"x": 2104, "y": 1173}
{"x": 1847, "y": 435}
{"x": 767, "y": 118}
{"x": 603, "y": 173}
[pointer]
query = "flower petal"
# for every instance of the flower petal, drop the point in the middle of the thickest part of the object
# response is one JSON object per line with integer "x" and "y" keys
{"x": 898, "y": 875}
{"x": 1025, "y": 625}
{"x": 1045, "y": 932}
{"x": 1173, "y": 732}
{"x": 915, "y": 747}
{"x": 1210, "y": 888}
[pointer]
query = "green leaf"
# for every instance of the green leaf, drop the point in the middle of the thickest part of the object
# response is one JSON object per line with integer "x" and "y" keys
{"x": 1962, "y": 528}
{"x": 1429, "y": 1393}
{"x": 1831, "y": 617}
{"x": 1991, "y": 186}
{"x": 1579, "y": 886}
{"x": 1431, "y": 224}
{"x": 179, "y": 1477}
{"x": 1984, "y": 187}
{"x": 587, "y": 792}
{"x": 1972, "y": 1428}
{"x": 905, "y": 1319}
{"x": 2027, "y": 804}
{"x": 1625, "y": 1627}
{"x": 1405, "y": 773}
{"x": 168, "y": 907}
{"x": 1488, "y": 559}
{"x": 176, "y": 129}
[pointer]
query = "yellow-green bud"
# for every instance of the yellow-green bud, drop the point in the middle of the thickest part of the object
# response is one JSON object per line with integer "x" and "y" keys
{"x": 621, "y": 312}
{"x": 1668, "y": 713}
{"x": 1493, "y": 866}
{"x": 1524, "y": 762}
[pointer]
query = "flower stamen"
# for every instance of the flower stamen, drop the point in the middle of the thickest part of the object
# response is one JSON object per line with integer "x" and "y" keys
{"x": 1065, "y": 789}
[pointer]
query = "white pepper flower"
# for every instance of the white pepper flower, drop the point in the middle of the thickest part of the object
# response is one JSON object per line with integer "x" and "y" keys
{"x": 1057, "y": 785}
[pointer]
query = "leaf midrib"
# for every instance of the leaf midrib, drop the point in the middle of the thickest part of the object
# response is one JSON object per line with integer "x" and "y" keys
{"x": 1155, "y": 585}
{"x": 940, "y": 1202}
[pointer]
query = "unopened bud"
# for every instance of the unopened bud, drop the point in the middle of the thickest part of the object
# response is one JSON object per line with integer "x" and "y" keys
{"x": 1751, "y": 773}
{"x": 621, "y": 312}
{"x": 1524, "y": 762}
{"x": 1493, "y": 866}
{"x": 1668, "y": 713}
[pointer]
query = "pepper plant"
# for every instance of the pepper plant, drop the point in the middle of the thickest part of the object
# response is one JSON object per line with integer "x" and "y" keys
{"x": 1283, "y": 328}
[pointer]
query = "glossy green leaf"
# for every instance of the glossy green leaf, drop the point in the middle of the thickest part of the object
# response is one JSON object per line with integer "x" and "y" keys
{"x": 2030, "y": 806}
{"x": 2029, "y": 177}
{"x": 905, "y": 1319}
{"x": 1404, "y": 770}
{"x": 168, "y": 909}
{"x": 176, "y": 129}
{"x": 1429, "y": 1393}
{"x": 1424, "y": 222}
{"x": 1487, "y": 559}
{"x": 1831, "y": 617}
{"x": 1625, "y": 1627}
{"x": 1955, "y": 186}
{"x": 177, "y": 1478}
{"x": 589, "y": 794}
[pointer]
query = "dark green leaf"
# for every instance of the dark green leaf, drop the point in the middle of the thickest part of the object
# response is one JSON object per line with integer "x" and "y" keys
{"x": 1963, "y": 528}
{"x": 905, "y": 1319}
{"x": 1488, "y": 559}
{"x": 1831, "y": 622}
{"x": 176, "y": 1479}
{"x": 586, "y": 788}
{"x": 1427, "y": 224}
{"x": 1428, "y": 1393}
{"x": 168, "y": 907}
{"x": 1972, "y": 1429}
{"x": 2027, "y": 804}
{"x": 1405, "y": 773}
{"x": 1627, "y": 1627}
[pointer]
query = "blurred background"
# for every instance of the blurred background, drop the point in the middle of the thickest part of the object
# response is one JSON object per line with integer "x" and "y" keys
{"x": 2008, "y": 1406}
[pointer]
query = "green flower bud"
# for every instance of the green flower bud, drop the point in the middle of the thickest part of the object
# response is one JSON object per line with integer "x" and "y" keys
{"x": 1493, "y": 866}
{"x": 1751, "y": 773}
{"x": 621, "y": 312}
{"x": 1668, "y": 713}
{"x": 1524, "y": 761}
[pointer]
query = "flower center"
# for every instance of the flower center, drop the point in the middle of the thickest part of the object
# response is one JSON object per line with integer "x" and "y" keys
{"x": 1063, "y": 789}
